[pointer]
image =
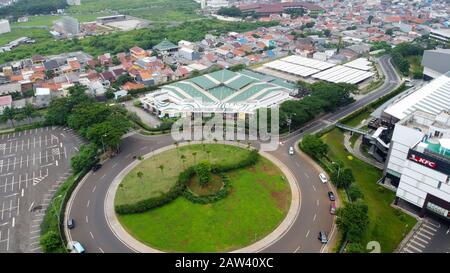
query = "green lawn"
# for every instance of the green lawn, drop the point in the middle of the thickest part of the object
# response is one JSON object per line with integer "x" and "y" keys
{"x": 387, "y": 225}
{"x": 155, "y": 180}
{"x": 258, "y": 202}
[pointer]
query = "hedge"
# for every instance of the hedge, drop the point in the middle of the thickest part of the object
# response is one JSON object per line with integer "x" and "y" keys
{"x": 180, "y": 186}
{"x": 221, "y": 194}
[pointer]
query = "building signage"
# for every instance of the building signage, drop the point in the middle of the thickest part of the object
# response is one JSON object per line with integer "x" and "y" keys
{"x": 437, "y": 162}
{"x": 423, "y": 161}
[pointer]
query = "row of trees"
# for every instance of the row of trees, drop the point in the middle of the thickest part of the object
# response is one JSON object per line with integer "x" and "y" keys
{"x": 101, "y": 124}
{"x": 318, "y": 98}
{"x": 352, "y": 219}
{"x": 12, "y": 114}
{"x": 230, "y": 11}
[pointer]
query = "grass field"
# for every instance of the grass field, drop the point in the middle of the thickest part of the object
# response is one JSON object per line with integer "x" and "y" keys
{"x": 258, "y": 202}
{"x": 153, "y": 10}
{"x": 155, "y": 180}
{"x": 387, "y": 225}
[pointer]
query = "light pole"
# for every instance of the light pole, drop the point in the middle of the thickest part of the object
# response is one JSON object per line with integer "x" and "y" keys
{"x": 103, "y": 143}
{"x": 57, "y": 217}
{"x": 289, "y": 121}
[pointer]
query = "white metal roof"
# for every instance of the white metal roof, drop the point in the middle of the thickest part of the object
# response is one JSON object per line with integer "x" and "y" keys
{"x": 432, "y": 98}
{"x": 312, "y": 63}
{"x": 343, "y": 74}
{"x": 291, "y": 68}
{"x": 360, "y": 63}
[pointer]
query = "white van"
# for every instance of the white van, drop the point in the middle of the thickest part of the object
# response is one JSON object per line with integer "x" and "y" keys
{"x": 76, "y": 247}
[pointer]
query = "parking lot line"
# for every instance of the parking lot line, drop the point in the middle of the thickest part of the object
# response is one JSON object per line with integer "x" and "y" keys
{"x": 414, "y": 248}
{"x": 417, "y": 243}
{"x": 427, "y": 231}
{"x": 423, "y": 235}
{"x": 429, "y": 227}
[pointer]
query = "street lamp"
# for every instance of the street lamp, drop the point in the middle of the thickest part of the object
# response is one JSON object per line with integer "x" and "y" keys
{"x": 289, "y": 121}
{"x": 103, "y": 143}
{"x": 339, "y": 168}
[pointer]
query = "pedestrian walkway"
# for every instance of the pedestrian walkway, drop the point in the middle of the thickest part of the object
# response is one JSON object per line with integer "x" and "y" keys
{"x": 356, "y": 151}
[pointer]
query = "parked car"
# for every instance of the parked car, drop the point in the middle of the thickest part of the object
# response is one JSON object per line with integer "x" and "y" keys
{"x": 331, "y": 196}
{"x": 332, "y": 208}
{"x": 76, "y": 247}
{"x": 323, "y": 178}
{"x": 70, "y": 224}
{"x": 96, "y": 167}
{"x": 323, "y": 237}
{"x": 291, "y": 150}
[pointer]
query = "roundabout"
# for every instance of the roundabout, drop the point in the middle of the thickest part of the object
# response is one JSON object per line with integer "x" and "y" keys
{"x": 251, "y": 216}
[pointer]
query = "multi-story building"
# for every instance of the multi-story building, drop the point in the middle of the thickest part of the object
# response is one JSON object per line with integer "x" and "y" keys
{"x": 419, "y": 161}
{"x": 436, "y": 62}
{"x": 440, "y": 35}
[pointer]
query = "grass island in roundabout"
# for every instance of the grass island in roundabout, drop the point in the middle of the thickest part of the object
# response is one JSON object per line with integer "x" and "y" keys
{"x": 202, "y": 198}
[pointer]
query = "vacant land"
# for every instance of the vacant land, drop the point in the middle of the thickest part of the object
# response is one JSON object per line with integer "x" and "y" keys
{"x": 153, "y": 10}
{"x": 160, "y": 173}
{"x": 387, "y": 225}
{"x": 258, "y": 202}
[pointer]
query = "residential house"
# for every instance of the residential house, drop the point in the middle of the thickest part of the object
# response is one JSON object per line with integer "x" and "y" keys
{"x": 42, "y": 97}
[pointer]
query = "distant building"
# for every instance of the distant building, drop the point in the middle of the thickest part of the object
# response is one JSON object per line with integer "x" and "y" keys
{"x": 166, "y": 47}
{"x": 217, "y": 4}
{"x": 436, "y": 62}
{"x": 68, "y": 26}
{"x": 440, "y": 35}
{"x": 73, "y": 2}
{"x": 42, "y": 97}
{"x": 4, "y": 26}
{"x": 188, "y": 54}
{"x": 113, "y": 18}
{"x": 5, "y": 101}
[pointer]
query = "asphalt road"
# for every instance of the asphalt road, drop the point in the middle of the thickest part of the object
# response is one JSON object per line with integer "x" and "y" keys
{"x": 87, "y": 204}
{"x": 33, "y": 163}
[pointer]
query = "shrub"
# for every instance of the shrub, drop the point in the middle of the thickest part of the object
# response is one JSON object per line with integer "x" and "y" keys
{"x": 203, "y": 171}
{"x": 354, "y": 192}
{"x": 51, "y": 242}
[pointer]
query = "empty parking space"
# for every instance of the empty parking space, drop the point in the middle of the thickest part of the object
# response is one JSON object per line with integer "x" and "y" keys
{"x": 425, "y": 236}
{"x": 33, "y": 163}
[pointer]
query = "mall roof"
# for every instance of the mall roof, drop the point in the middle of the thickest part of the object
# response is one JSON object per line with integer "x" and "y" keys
{"x": 343, "y": 74}
{"x": 432, "y": 98}
{"x": 360, "y": 63}
{"x": 221, "y": 91}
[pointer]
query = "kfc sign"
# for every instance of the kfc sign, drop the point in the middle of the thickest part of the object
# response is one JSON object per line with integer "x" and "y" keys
{"x": 423, "y": 161}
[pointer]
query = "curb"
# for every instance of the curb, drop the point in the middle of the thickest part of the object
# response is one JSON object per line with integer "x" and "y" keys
{"x": 137, "y": 246}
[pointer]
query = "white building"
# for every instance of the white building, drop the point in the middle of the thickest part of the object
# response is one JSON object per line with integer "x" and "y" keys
{"x": 42, "y": 97}
{"x": 418, "y": 161}
{"x": 4, "y": 26}
{"x": 217, "y": 4}
{"x": 440, "y": 35}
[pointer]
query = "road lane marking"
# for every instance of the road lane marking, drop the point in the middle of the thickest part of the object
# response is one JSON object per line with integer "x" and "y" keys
{"x": 307, "y": 233}
{"x": 297, "y": 249}
{"x": 314, "y": 219}
{"x": 88, "y": 202}
{"x": 31, "y": 206}
{"x": 87, "y": 219}
{"x": 317, "y": 202}
{"x": 314, "y": 188}
{"x": 307, "y": 176}
{"x": 101, "y": 250}
{"x": 13, "y": 221}
{"x": 94, "y": 188}
{"x": 91, "y": 235}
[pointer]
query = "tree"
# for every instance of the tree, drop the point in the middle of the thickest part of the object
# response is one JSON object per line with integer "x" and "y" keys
{"x": 29, "y": 111}
{"x": 161, "y": 167}
{"x": 231, "y": 11}
{"x": 203, "y": 172}
{"x": 106, "y": 133}
{"x": 194, "y": 154}
{"x": 342, "y": 178}
{"x": 314, "y": 146}
{"x": 369, "y": 19}
{"x": 10, "y": 113}
{"x": 389, "y": 32}
{"x": 183, "y": 160}
{"x": 353, "y": 220}
{"x": 85, "y": 158}
{"x": 51, "y": 242}
{"x": 327, "y": 32}
{"x": 140, "y": 175}
{"x": 109, "y": 94}
{"x": 355, "y": 193}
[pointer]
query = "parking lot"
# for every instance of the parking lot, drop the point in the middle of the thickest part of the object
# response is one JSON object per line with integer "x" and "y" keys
{"x": 433, "y": 236}
{"x": 33, "y": 163}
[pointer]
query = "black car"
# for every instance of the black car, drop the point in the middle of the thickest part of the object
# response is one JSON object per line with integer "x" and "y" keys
{"x": 96, "y": 167}
{"x": 323, "y": 237}
{"x": 70, "y": 223}
{"x": 331, "y": 196}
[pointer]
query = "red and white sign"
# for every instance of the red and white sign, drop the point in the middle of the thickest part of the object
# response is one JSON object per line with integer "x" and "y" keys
{"x": 423, "y": 161}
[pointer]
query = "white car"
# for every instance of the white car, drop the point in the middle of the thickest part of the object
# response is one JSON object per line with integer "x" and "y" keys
{"x": 291, "y": 150}
{"x": 75, "y": 247}
{"x": 323, "y": 178}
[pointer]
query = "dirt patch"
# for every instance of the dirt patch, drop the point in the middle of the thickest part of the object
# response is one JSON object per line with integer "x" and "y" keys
{"x": 268, "y": 170}
{"x": 281, "y": 199}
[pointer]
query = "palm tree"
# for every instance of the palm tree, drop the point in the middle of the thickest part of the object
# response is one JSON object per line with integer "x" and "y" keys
{"x": 140, "y": 175}
{"x": 183, "y": 159}
{"x": 161, "y": 167}
{"x": 194, "y": 154}
{"x": 10, "y": 113}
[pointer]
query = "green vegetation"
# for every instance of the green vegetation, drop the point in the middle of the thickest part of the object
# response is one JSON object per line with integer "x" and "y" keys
{"x": 31, "y": 7}
{"x": 387, "y": 225}
{"x": 156, "y": 180}
{"x": 11, "y": 114}
{"x": 122, "y": 41}
{"x": 231, "y": 11}
{"x": 324, "y": 97}
{"x": 258, "y": 202}
{"x": 401, "y": 57}
{"x": 153, "y": 10}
